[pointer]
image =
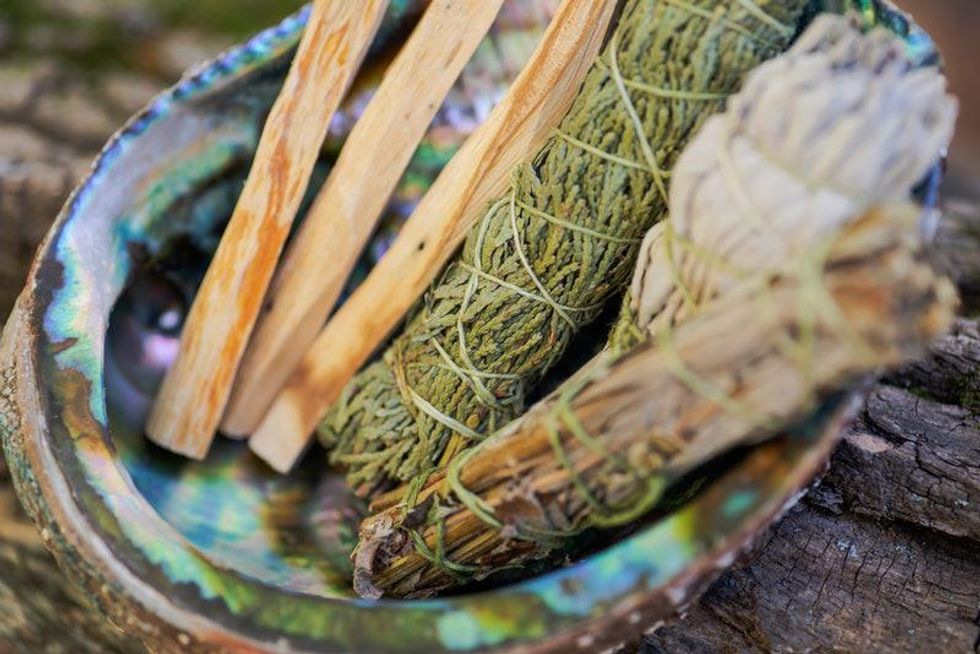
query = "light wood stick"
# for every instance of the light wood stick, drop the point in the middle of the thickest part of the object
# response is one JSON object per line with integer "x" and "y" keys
{"x": 193, "y": 396}
{"x": 539, "y": 98}
{"x": 378, "y": 151}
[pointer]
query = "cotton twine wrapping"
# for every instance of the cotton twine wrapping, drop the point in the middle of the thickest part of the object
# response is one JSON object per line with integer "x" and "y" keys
{"x": 546, "y": 256}
{"x": 767, "y": 201}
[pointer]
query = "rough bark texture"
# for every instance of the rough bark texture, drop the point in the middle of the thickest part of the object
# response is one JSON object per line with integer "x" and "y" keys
{"x": 883, "y": 556}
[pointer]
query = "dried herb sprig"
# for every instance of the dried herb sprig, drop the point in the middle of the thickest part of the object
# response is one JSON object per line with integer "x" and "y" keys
{"x": 548, "y": 254}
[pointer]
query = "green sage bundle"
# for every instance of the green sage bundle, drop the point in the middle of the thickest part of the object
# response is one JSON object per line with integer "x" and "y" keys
{"x": 546, "y": 257}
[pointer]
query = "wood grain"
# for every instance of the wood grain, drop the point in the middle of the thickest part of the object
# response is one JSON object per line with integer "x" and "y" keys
{"x": 479, "y": 172}
{"x": 323, "y": 253}
{"x": 192, "y": 399}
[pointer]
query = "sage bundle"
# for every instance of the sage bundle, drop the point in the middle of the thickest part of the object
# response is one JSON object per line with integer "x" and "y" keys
{"x": 544, "y": 259}
{"x": 770, "y": 300}
{"x": 846, "y": 114}
{"x": 601, "y": 453}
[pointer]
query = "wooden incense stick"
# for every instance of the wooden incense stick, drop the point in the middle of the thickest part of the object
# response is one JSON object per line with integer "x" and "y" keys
{"x": 346, "y": 211}
{"x": 193, "y": 396}
{"x": 540, "y": 96}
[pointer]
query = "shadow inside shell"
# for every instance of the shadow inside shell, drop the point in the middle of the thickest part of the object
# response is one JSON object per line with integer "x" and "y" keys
{"x": 292, "y": 532}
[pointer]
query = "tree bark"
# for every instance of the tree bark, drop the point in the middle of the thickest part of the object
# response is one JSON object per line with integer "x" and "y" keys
{"x": 883, "y": 555}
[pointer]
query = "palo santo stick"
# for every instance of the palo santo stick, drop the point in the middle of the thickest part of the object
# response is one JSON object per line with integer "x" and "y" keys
{"x": 348, "y": 207}
{"x": 540, "y": 96}
{"x": 600, "y": 454}
{"x": 193, "y": 396}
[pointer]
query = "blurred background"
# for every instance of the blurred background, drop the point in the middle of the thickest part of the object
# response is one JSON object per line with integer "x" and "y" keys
{"x": 955, "y": 25}
{"x": 160, "y": 38}
{"x": 140, "y": 35}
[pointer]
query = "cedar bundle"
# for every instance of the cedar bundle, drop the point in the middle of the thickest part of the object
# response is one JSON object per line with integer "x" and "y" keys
{"x": 782, "y": 286}
{"x": 546, "y": 257}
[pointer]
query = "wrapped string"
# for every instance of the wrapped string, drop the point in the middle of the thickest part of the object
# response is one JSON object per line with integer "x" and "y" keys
{"x": 545, "y": 258}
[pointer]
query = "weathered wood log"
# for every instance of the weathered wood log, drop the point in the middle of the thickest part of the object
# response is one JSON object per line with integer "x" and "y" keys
{"x": 51, "y": 127}
{"x": 884, "y": 555}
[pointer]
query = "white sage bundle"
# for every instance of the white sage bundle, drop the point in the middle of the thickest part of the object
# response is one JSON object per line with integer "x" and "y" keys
{"x": 841, "y": 122}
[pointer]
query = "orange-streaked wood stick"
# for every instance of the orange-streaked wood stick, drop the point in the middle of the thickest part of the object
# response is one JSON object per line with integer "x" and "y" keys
{"x": 192, "y": 399}
{"x": 379, "y": 149}
{"x": 537, "y": 101}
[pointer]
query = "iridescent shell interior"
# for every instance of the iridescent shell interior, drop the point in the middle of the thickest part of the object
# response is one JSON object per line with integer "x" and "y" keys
{"x": 262, "y": 559}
